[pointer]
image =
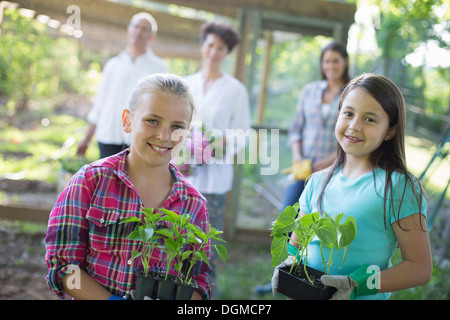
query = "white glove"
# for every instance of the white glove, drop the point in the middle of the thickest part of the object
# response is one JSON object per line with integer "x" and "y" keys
{"x": 286, "y": 263}
{"x": 343, "y": 284}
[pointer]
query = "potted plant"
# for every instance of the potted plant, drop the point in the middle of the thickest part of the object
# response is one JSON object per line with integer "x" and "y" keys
{"x": 183, "y": 243}
{"x": 300, "y": 281}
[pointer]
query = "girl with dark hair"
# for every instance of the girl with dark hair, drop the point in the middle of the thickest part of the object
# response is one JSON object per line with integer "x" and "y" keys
{"x": 312, "y": 133}
{"x": 369, "y": 180}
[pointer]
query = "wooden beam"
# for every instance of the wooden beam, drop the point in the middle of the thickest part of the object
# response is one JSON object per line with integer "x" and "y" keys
{"x": 104, "y": 26}
{"x": 248, "y": 235}
{"x": 265, "y": 78}
{"x": 11, "y": 212}
{"x": 326, "y": 10}
{"x": 217, "y": 7}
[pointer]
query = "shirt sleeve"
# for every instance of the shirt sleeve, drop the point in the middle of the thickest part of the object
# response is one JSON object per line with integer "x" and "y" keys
{"x": 67, "y": 233}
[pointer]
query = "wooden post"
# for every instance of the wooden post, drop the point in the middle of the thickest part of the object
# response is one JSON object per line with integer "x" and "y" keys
{"x": 265, "y": 78}
{"x": 250, "y": 28}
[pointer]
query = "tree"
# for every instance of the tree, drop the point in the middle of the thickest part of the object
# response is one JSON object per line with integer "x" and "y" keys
{"x": 406, "y": 25}
{"x": 34, "y": 65}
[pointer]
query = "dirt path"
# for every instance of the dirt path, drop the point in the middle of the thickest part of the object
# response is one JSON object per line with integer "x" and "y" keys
{"x": 22, "y": 266}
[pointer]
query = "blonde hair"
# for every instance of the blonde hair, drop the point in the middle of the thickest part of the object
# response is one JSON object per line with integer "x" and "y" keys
{"x": 165, "y": 83}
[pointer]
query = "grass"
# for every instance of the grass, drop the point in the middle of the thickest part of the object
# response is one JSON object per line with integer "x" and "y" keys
{"x": 35, "y": 153}
{"x": 418, "y": 154}
{"x": 248, "y": 265}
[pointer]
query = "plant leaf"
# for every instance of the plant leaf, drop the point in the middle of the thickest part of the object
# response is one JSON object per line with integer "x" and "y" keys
{"x": 148, "y": 210}
{"x": 202, "y": 255}
{"x": 145, "y": 233}
{"x": 186, "y": 254}
{"x": 135, "y": 254}
{"x": 279, "y": 251}
{"x": 178, "y": 266}
{"x": 285, "y": 222}
{"x": 346, "y": 232}
{"x": 170, "y": 215}
{"x": 326, "y": 232}
{"x": 310, "y": 218}
{"x": 170, "y": 244}
{"x": 222, "y": 251}
{"x": 134, "y": 235}
{"x": 131, "y": 219}
{"x": 165, "y": 232}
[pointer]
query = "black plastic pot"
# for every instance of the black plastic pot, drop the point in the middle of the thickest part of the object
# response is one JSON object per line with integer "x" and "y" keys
{"x": 184, "y": 292}
{"x": 166, "y": 289}
{"x": 146, "y": 286}
{"x": 155, "y": 287}
{"x": 298, "y": 288}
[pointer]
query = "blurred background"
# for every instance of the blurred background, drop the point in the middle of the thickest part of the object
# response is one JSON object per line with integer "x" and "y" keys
{"x": 51, "y": 63}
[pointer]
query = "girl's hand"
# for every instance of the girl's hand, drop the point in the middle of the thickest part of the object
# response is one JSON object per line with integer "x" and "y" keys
{"x": 356, "y": 284}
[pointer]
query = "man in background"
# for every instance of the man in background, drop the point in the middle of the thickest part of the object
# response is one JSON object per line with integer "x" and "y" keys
{"x": 119, "y": 76}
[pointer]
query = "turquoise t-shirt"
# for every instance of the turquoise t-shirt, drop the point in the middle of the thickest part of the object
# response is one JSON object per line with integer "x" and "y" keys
{"x": 361, "y": 198}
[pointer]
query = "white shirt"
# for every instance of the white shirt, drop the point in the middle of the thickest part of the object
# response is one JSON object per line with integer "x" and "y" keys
{"x": 119, "y": 77}
{"x": 224, "y": 106}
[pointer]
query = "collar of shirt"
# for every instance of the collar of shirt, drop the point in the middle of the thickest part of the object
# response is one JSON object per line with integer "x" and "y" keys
{"x": 179, "y": 189}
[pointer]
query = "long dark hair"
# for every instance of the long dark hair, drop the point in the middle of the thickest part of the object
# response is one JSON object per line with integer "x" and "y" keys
{"x": 340, "y": 48}
{"x": 390, "y": 155}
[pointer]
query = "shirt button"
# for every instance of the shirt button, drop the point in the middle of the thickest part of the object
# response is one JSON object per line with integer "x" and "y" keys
{"x": 130, "y": 262}
{"x": 102, "y": 220}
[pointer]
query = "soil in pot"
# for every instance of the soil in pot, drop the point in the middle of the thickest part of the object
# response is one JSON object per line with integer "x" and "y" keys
{"x": 296, "y": 286}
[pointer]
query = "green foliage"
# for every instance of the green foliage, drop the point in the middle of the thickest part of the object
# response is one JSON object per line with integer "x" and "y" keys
{"x": 405, "y": 26}
{"x": 293, "y": 64}
{"x": 42, "y": 150}
{"x": 173, "y": 240}
{"x": 330, "y": 231}
{"x": 182, "y": 67}
{"x": 34, "y": 65}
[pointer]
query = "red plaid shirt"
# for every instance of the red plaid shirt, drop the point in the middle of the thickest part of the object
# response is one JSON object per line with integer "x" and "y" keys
{"x": 84, "y": 229}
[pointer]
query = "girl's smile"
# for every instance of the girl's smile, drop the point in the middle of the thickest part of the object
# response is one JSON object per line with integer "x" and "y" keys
{"x": 353, "y": 139}
{"x": 159, "y": 150}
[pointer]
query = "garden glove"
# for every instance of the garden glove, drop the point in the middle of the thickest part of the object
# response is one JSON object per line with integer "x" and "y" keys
{"x": 300, "y": 171}
{"x": 356, "y": 284}
{"x": 286, "y": 263}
